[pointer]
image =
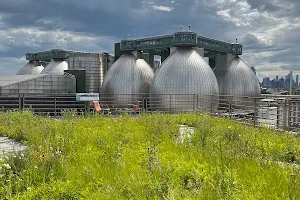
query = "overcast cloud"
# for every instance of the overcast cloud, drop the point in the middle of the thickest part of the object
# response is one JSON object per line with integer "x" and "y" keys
{"x": 269, "y": 30}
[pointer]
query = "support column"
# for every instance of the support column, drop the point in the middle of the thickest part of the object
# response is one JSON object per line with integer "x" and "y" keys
{"x": 200, "y": 51}
{"x": 165, "y": 54}
{"x": 172, "y": 49}
{"x": 151, "y": 60}
{"x": 222, "y": 62}
{"x": 212, "y": 62}
{"x": 135, "y": 54}
{"x": 138, "y": 55}
{"x": 145, "y": 56}
{"x": 118, "y": 52}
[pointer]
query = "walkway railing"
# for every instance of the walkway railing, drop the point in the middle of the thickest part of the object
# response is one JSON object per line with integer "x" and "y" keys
{"x": 279, "y": 112}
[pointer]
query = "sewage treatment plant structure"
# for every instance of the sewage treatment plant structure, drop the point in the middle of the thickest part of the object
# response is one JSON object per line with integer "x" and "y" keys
{"x": 182, "y": 74}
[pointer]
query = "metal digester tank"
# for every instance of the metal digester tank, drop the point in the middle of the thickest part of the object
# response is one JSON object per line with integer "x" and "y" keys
{"x": 184, "y": 82}
{"x": 236, "y": 81}
{"x": 55, "y": 67}
{"x": 31, "y": 68}
{"x": 58, "y": 65}
{"x": 127, "y": 80}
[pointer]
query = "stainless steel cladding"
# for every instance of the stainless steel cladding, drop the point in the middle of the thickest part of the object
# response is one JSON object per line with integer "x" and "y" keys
{"x": 126, "y": 78}
{"x": 30, "y": 69}
{"x": 55, "y": 67}
{"x": 184, "y": 82}
{"x": 239, "y": 81}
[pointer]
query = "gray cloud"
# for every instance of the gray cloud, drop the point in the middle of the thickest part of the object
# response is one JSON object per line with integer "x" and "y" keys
{"x": 268, "y": 29}
{"x": 290, "y": 67}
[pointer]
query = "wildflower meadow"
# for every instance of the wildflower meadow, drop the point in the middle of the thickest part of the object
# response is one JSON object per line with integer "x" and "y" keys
{"x": 146, "y": 157}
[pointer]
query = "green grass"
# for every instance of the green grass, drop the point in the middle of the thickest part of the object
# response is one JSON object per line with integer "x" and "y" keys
{"x": 140, "y": 158}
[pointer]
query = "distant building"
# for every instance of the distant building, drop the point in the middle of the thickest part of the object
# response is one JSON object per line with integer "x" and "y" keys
{"x": 280, "y": 83}
{"x": 266, "y": 82}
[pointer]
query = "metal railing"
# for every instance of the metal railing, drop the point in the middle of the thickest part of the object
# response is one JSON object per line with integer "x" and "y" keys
{"x": 42, "y": 104}
{"x": 279, "y": 112}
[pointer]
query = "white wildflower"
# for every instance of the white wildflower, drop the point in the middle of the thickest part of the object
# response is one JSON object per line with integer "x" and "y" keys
{"x": 35, "y": 167}
{"x": 7, "y": 166}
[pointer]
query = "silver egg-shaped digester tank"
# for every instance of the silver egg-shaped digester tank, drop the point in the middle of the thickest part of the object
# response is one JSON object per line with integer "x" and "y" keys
{"x": 127, "y": 81}
{"x": 31, "y": 68}
{"x": 184, "y": 82}
{"x": 237, "y": 84}
{"x": 56, "y": 67}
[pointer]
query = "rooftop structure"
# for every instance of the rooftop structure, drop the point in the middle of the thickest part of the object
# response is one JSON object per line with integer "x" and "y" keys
{"x": 158, "y": 44}
{"x": 95, "y": 65}
{"x": 47, "y": 56}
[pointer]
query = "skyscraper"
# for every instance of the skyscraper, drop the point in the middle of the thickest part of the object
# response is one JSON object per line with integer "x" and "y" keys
{"x": 297, "y": 81}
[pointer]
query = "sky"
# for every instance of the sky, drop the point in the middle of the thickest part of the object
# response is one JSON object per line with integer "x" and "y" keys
{"x": 268, "y": 30}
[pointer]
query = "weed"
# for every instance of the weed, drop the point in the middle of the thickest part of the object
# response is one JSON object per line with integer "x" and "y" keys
{"x": 97, "y": 157}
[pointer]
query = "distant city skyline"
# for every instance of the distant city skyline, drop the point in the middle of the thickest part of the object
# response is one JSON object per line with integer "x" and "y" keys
{"x": 280, "y": 82}
{"x": 281, "y": 74}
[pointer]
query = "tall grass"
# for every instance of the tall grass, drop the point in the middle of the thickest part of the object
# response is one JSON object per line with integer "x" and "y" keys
{"x": 141, "y": 158}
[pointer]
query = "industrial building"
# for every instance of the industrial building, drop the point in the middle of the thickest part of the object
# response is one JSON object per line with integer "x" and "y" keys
{"x": 58, "y": 71}
{"x": 133, "y": 74}
{"x": 37, "y": 84}
{"x": 184, "y": 73}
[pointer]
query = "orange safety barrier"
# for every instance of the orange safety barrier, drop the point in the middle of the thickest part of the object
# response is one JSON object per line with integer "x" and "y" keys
{"x": 97, "y": 106}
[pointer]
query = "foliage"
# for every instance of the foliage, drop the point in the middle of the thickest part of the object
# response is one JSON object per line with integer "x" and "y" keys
{"x": 125, "y": 157}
